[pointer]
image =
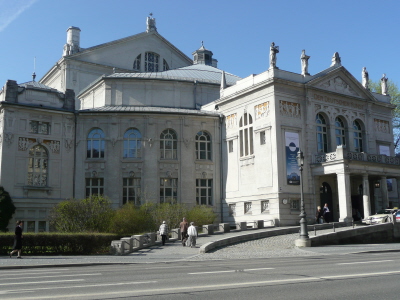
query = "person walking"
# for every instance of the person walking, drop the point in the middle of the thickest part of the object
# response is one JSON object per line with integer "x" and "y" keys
{"x": 192, "y": 232}
{"x": 17, "y": 240}
{"x": 326, "y": 213}
{"x": 163, "y": 232}
{"x": 184, "y": 228}
{"x": 318, "y": 216}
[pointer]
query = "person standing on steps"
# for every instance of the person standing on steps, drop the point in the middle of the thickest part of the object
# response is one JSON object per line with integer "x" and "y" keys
{"x": 192, "y": 232}
{"x": 17, "y": 240}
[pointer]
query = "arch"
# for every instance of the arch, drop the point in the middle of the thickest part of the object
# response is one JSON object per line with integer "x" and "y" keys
{"x": 137, "y": 62}
{"x": 165, "y": 65}
{"x": 38, "y": 166}
{"x": 203, "y": 145}
{"x": 322, "y": 133}
{"x": 246, "y": 135}
{"x": 132, "y": 143}
{"x": 95, "y": 143}
{"x": 168, "y": 144}
{"x": 151, "y": 62}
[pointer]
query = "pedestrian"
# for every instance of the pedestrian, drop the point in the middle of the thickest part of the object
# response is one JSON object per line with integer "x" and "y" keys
{"x": 326, "y": 213}
{"x": 163, "y": 232}
{"x": 17, "y": 240}
{"x": 184, "y": 228}
{"x": 319, "y": 219}
{"x": 192, "y": 232}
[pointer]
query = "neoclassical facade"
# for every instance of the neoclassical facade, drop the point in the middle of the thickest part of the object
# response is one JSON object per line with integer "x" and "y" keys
{"x": 138, "y": 121}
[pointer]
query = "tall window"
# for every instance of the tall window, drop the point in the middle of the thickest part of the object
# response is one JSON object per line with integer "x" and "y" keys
{"x": 168, "y": 190}
{"x": 358, "y": 142}
{"x": 151, "y": 60}
{"x": 95, "y": 144}
{"x": 94, "y": 186}
{"x": 165, "y": 65}
{"x": 339, "y": 132}
{"x": 136, "y": 63}
{"x": 246, "y": 135}
{"x": 168, "y": 144}
{"x": 204, "y": 192}
{"x": 38, "y": 166}
{"x": 132, "y": 144}
{"x": 203, "y": 145}
{"x": 131, "y": 191}
{"x": 322, "y": 138}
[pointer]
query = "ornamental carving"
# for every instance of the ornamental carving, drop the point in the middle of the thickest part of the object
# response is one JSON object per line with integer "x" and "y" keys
{"x": 8, "y": 138}
{"x": 23, "y": 143}
{"x": 231, "y": 121}
{"x": 290, "y": 109}
{"x": 68, "y": 144}
{"x": 381, "y": 125}
{"x": 261, "y": 110}
{"x": 337, "y": 84}
{"x": 53, "y": 145}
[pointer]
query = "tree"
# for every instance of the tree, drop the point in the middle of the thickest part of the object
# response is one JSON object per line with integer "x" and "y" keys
{"x": 394, "y": 93}
{"x": 93, "y": 214}
{"x": 7, "y": 209}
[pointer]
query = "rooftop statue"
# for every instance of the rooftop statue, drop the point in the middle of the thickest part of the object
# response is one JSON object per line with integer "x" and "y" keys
{"x": 336, "y": 59}
{"x": 273, "y": 50}
{"x": 304, "y": 63}
{"x": 151, "y": 23}
{"x": 384, "y": 86}
{"x": 365, "y": 78}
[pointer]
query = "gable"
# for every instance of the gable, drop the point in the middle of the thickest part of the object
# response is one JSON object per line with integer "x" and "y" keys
{"x": 339, "y": 85}
{"x": 122, "y": 53}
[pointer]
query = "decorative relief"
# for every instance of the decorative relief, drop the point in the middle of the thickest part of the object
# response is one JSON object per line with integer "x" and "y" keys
{"x": 23, "y": 143}
{"x": 186, "y": 142}
{"x": 231, "y": 121}
{"x": 337, "y": 84}
{"x": 340, "y": 102}
{"x": 68, "y": 144}
{"x": 381, "y": 125}
{"x": 290, "y": 109}
{"x": 8, "y": 138}
{"x": 261, "y": 110}
{"x": 53, "y": 145}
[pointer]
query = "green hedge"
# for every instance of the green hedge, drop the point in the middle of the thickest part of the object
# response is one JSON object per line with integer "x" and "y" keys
{"x": 60, "y": 243}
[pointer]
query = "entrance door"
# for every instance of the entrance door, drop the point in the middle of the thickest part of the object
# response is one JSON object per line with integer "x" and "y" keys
{"x": 326, "y": 197}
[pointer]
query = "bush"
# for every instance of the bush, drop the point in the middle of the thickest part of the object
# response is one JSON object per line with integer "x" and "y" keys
{"x": 93, "y": 214}
{"x": 7, "y": 209}
{"x": 201, "y": 215}
{"x": 130, "y": 219}
{"x": 60, "y": 243}
{"x": 172, "y": 214}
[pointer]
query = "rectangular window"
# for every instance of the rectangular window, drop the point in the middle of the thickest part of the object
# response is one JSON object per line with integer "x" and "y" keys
{"x": 131, "y": 190}
{"x": 230, "y": 146}
{"x": 94, "y": 186}
{"x": 39, "y": 127}
{"x": 232, "y": 210}
{"x": 168, "y": 190}
{"x": 30, "y": 226}
{"x": 265, "y": 206}
{"x": 247, "y": 208}
{"x": 262, "y": 138}
{"x": 42, "y": 226}
{"x": 295, "y": 205}
{"x": 204, "y": 192}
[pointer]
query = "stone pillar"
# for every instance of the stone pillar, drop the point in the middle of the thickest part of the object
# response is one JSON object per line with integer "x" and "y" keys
{"x": 384, "y": 192}
{"x": 129, "y": 243}
{"x": 224, "y": 227}
{"x": 176, "y": 233}
{"x": 317, "y": 193}
{"x": 366, "y": 196}
{"x": 241, "y": 225}
{"x": 344, "y": 194}
{"x": 152, "y": 236}
{"x": 137, "y": 241}
{"x": 208, "y": 229}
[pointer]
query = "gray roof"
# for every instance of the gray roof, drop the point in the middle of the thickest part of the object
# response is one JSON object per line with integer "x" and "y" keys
{"x": 150, "y": 109}
{"x": 199, "y": 72}
{"x": 37, "y": 85}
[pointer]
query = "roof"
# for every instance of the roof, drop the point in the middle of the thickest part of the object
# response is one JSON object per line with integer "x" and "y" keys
{"x": 199, "y": 72}
{"x": 37, "y": 85}
{"x": 149, "y": 109}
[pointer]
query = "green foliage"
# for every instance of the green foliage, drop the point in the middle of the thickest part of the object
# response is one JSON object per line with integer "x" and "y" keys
{"x": 7, "y": 209}
{"x": 60, "y": 243}
{"x": 130, "y": 219}
{"x": 201, "y": 215}
{"x": 93, "y": 214}
{"x": 171, "y": 213}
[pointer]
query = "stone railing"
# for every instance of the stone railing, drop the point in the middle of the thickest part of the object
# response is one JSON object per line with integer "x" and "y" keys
{"x": 342, "y": 154}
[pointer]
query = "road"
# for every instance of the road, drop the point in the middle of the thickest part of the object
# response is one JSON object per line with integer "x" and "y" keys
{"x": 354, "y": 276}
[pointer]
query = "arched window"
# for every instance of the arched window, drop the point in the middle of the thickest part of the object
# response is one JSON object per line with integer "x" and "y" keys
{"x": 339, "y": 132}
{"x": 168, "y": 144}
{"x": 151, "y": 61}
{"x": 95, "y": 144}
{"x": 38, "y": 166}
{"x": 358, "y": 142}
{"x": 322, "y": 138}
{"x": 137, "y": 62}
{"x": 203, "y": 145}
{"x": 132, "y": 144}
{"x": 165, "y": 65}
{"x": 246, "y": 135}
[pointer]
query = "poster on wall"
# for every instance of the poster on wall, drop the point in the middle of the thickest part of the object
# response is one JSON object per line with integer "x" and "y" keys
{"x": 292, "y": 147}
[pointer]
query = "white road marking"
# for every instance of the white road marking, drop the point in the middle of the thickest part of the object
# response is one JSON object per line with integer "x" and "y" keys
{"x": 258, "y": 269}
{"x": 36, "y": 271}
{"x": 40, "y": 282}
{"x": 231, "y": 271}
{"x": 19, "y": 274}
{"x": 364, "y": 262}
{"x": 51, "y": 276}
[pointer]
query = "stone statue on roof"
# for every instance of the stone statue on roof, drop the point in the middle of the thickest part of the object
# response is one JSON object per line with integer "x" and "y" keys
{"x": 151, "y": 23}
{"x": 384, "y": 86}
{"x": 273, "y": 50}
{"x": 336, "y": 59}
{"x": 365, "y": 78}
{"x": 304, "y": 63}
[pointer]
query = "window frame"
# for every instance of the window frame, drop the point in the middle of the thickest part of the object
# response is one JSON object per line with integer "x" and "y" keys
{"x": 246, "y": 135}
{"x": 204, "y": 191}
{"x": 357, "y": 137}
{"x": 38, "y": 166}
{"x": 96, "y": 135}
{"x": 203, "y": 145}
{"x": 132, "y": 144}
{"x": 322, "y": 133}
{"x": 129, "y": 185}
{"x": 151, "y": 62}
{"x": 340, "y": 132}
{"x": 90, "y": 187}
{"x": 168, "y": 144}
{"x": 168, "y": 189}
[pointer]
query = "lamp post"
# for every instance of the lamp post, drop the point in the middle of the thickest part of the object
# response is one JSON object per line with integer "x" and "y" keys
{"x": 304, "y": 239}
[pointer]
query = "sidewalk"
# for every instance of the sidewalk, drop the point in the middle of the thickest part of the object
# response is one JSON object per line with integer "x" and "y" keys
{"x": 277, "y": 246}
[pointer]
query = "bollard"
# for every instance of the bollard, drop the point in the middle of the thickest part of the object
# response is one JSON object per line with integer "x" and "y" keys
{"x": 208, "y": 229}
{"x": 137, "y": 241}
{"x": 128, "y": 245}
{"x": 241, "y": 225}
{"x": 333, "y": 227}
{"x": 224, "y": 227}
{"x": 260, "y": 224}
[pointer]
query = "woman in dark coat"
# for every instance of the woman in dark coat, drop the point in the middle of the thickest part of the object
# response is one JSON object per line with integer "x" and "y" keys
{"x": 17, "y": 240}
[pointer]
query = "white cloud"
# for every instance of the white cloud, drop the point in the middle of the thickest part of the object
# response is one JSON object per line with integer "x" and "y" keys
{"x": 10, "y": 10}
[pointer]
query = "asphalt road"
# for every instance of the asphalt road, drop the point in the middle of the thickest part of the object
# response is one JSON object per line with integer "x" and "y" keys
{"x": 353, "y": 276}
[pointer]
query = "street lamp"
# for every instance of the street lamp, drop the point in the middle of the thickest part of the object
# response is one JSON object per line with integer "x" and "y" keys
{"x": 304, "y": 239}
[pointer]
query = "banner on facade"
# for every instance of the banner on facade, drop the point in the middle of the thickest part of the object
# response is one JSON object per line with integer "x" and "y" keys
{"x": 292, "y": 147}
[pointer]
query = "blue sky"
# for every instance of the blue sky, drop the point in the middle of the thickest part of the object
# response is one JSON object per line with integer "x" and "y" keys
{"x": 365, "y": 33}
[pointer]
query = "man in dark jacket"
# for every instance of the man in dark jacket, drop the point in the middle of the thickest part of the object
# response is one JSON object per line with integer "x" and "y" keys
{"x": 184, "y": 228}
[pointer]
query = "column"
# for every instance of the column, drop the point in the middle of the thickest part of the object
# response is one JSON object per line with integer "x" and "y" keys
{"x": 317, "y": 193}
{"x": 344, "y": 195}
{"x": 384, "y": 192}
{"x": 366, "y": 196}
